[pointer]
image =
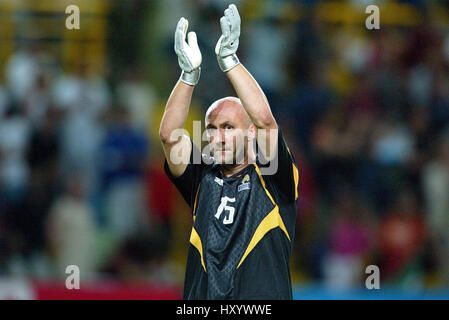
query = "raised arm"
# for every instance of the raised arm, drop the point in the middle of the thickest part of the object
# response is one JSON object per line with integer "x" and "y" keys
{"x": 246, "y": 87}
{"x": 177, "y": 147}
{"x": 252, "y": 97}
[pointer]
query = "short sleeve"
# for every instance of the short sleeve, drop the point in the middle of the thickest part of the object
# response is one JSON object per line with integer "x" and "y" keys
{"x": 188, "y": 183}
{"x": 285, "y": 177}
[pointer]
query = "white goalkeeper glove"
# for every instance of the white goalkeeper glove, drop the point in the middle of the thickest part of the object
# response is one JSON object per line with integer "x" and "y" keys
{"x": 229, "y": 41}
{"x": 189, "y": 54}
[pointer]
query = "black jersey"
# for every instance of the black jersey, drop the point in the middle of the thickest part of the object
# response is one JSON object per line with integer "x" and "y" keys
{"x": 243, "y": 229}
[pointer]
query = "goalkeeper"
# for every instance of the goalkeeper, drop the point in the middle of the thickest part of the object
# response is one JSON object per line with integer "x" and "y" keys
{"x": 243, "y": 214}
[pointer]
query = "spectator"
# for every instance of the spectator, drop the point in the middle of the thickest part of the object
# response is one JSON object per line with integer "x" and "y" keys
{"x": 124, "y": 153}
{"x": 21, "y": 73}
{"x": 15, "y": 130}
{"x": 402, "y": 236}
{"x": 71, "y": 229}
{"x": 350, "y": 240}
{"x": 138, "y": 97}
{"x": 435, "y": 180}
{"x": 160, "y": 196}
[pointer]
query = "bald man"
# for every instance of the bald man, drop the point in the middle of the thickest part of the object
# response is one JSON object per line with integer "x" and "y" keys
{"x": 243, "y": 215}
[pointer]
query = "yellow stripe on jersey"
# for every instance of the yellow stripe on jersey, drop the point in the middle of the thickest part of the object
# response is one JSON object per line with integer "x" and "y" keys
{"x": 263, "y": 184}
{"x": 194, "y": 204}
{"x": 281, "y": 222}
{"x": 271, "y": 221}
{"x": 282, "y": 225}
{"x": 296, "y": 177}
{"x": 196, "y": 242}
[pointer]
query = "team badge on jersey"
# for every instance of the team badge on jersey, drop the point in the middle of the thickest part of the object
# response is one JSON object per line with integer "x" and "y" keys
{"x": 245, "y": 184}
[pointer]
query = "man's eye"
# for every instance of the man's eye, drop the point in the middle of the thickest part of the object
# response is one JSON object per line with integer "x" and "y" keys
{"x": 228, "y": 127}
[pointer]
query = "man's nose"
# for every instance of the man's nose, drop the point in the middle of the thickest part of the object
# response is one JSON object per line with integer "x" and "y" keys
{"x": 220, "y": 137}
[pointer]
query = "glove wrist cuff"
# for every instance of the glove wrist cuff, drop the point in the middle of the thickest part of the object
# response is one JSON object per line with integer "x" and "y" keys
{"x": 227, "y": 63}
{"x": 191, "y": 78}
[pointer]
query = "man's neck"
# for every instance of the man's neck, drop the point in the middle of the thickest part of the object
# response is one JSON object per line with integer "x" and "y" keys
{"x": 230, "y": 169}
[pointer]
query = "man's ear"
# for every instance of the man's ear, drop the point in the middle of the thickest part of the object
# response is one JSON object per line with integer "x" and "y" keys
{"x": 251, "y": 132}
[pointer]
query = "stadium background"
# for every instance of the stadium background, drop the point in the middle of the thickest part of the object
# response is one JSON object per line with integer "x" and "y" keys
{"x": 366, "y": 113}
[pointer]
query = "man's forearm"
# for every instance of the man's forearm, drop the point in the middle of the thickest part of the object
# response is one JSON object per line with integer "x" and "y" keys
{"x": 252, "y": 97}
{"x": 189, "y": 60}
{"x": 176, "y": 110}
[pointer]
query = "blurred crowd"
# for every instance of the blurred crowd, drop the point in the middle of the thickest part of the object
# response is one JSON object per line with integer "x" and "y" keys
{"x": 365, "y": 112}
